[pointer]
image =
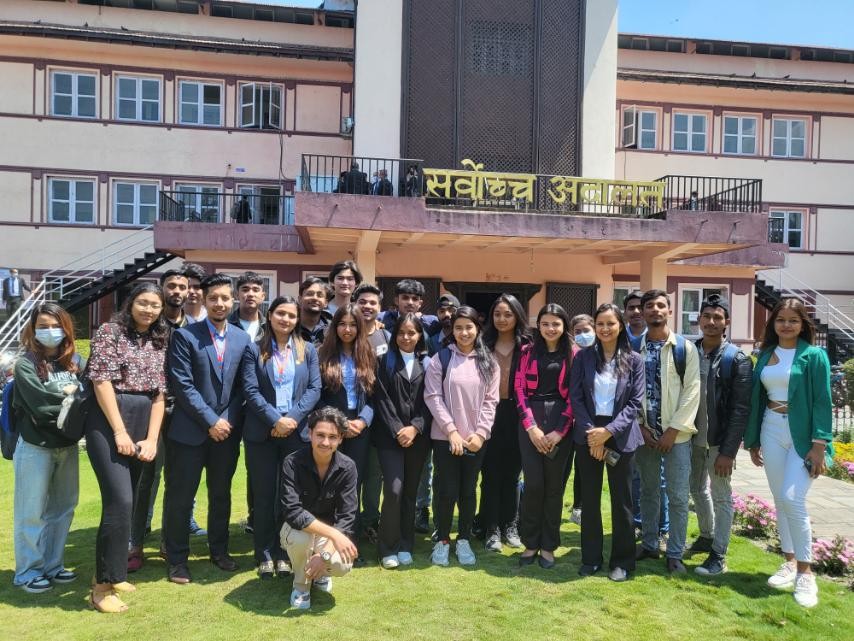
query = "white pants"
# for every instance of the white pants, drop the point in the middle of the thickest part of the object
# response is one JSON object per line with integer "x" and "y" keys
{"x": 300, "y": 546}
{"x": 789, "y": 482}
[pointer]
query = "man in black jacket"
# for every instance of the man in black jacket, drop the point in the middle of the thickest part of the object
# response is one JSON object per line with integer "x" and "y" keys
{"x": 726, "y": 375}
{"x": 319, "y": 505}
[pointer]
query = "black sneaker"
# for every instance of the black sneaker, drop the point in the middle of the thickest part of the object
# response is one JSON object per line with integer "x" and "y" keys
{"x": 702, "y": 544}
{"x": 422, "y": 521}
{"x": 714, "y": 564}
{"x": 477, "y": 530}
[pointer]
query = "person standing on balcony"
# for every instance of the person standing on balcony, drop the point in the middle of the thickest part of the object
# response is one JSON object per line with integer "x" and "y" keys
{"x": 13, "y": 292}
{"x": 383, "y": 186}
{"x": 506, "y": 334}
{"x": 542, "y": 401}
{"x": 355, "y": 181}
{"x": 281, "y": 384}
{"x": 250, "y": 297}
{"x": 128, "y": 373}
{"x": 314, "y": 318}
{"x": 344, "y": 278}
{"x": 670, "y": 409}
{"x": 204, "y": 362}
{"x": 194, "y": 308}
{"x": 789, "y": 433}
{"x": 412, "y": 186}
{"x": 461, "y": 391}
{"x": 726, "y": 375}
{"x": 241, "y": 212}
{"x": 45, "y": 462}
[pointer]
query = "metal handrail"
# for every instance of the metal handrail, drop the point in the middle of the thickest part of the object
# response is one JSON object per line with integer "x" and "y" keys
{"x": 11, "y": 330}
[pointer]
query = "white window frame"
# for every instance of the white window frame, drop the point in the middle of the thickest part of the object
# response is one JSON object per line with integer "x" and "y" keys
{"x": 274, "y": 108}
{"x": 690, "y": 133}
{"x": 632, "y": 128}
{"x": 629, "y": 287}
{"x": 195, "y": 192}
{"x": 255, "y": 196}
{"x": 75, "y": 93}
{"x": 72, "y": 200}
{"x": 739, "y": 135}
{"x": 137, "y": 204}
{"x": 199, "y": 102}
{"x": 788, "y": 137}
{"x": 641, "y": 129}
{"x": 138, "y": 99}
{"x": 784, "y": 214}
{"x": 700, "y": 290}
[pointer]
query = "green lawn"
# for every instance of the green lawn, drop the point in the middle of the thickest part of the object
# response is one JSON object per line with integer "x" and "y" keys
{"x": 495, "y": 600}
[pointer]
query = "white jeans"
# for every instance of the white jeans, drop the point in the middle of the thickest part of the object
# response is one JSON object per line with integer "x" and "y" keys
{"x": 789, "y": 483}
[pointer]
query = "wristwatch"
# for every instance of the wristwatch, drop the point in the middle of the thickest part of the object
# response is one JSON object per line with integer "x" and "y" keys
{"x": 326, "y": 556}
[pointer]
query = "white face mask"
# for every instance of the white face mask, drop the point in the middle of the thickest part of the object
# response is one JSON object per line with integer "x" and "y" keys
{"x": 585, "y": 339}
{"x": 50, "y": 337}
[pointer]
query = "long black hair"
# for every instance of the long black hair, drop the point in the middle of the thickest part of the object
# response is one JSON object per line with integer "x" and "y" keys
{"x": 265, "y": 341}
{"x": 409, "y": 317}
{"x": 159, "y": 331}
{"x": 522, "y": 333}
{"x": 623, "y": 353}
{"x": 565, "y": 342}
{"x": 770, "y": 340}
{"x": 486, "y": 364}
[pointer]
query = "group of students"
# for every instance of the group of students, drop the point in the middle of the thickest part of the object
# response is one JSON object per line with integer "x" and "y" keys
{"x": 320, "y": 386}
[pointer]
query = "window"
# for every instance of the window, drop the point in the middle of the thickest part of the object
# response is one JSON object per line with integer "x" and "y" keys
{"x": 264, "y": 203}
{"x": 621, "y": 290}
{"x": 260, "y": 106}
{"x": 200, "y": 202}
{"x": 740, "y": 135}
{"x": 788, "y": 137}
{"x": 200, "y": 103}
{"x": 138, "y": 99}
{"x": 72, "y": 94}
{"x": 689, "y": 315}
{"x": 135, "y": 203}
{"x": 71, "y": 200}
{"x": 689, "y": 132}
{"x": 793, "y": 228}
{"x": 640, "y": 128}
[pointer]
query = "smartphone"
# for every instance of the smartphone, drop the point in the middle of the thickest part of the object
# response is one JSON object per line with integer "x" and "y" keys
{"x": 808, "y": 465}
{"x": 468, "y": 452}
{"x": 551, "y": 453}
{"x": 611, "y": 457}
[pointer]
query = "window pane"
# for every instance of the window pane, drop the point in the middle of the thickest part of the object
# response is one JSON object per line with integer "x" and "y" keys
{"x": 748, "y": 146}
{"x": 60, "y": 189}
{"x": 62, "y": 82}
{"x": 60, "y": 212}
{"x": 189, "y": 113}
{"x": 794, "y": 220}
{"x": 86, "y": 107}
{"x": 84, "y": 190}
{"x": 628, "y": 117}
{"x": 86, "y": 85}
{"x": 83, "y": 213}
{"x": 150, "y": 89}
{"x": 62, "y": 105}
{"x": 147, "y": 194}
{"x": 698, "y": 124}
{"x": 780, "y": 128}
{"x": 680, "y": 142}
{"x": 748, "y": 126}
{"x": 797, "y": 150}
{"x": 648, "y": 120}
{"x": 246, "y": 115}
{"x": 146, "y": 215}
{"x": 189, "y": 92}
{"x": 681, "y": 122}
{"x": 798, "y": 128}
{"x": 127, "y": 88}
{"x": 647, "y": 140}
{"x": 730, "y": 125}
{"x": 124, "y": 214}
{"x": 211, "y": 94}
{"x": 150, "y": 111}
{"x": 211, "y": 114}
{"x": 127, "y": 109}
{"x": 698, "y": 142}
{"x": 779, "y": 147}
{"x": 794, "y": 239}
{"x": 124, "y": 193}
{"x": 730, "y": 144}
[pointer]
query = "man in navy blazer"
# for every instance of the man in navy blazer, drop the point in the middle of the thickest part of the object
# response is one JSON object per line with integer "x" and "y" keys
{"x": 204, "y": 364}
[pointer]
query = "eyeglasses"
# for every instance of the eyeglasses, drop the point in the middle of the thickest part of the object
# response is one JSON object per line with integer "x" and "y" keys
{"x": 141, "y": 304}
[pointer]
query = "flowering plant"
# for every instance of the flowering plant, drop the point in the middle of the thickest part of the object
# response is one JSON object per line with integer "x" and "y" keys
{"x": 754, "y": 517}
{"x": 834, "y": 557}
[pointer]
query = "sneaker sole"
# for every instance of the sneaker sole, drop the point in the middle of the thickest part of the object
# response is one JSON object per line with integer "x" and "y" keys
{"x": 32, "y": 590}
{"x": 62, "y": 581}
{"x": 784, "y": 587}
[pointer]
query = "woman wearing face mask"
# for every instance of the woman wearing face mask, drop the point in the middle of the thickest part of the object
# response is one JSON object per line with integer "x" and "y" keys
{"x": 281, "y": 384}
{"x": 127, "y": 367}
{"x": 400, "y": 438}
{"x": 583, "y": 335}
{"x": 542, "y": 398}
{"x": 46, "y": 470}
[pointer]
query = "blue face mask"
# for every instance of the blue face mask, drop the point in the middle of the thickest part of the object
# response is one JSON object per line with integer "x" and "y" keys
{"x": 50, "y": 337}
{"x": 585, "y": 339}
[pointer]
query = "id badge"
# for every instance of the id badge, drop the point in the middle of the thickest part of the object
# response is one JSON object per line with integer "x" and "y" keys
{"x": 282, "y": 399}
{"x": 381, "y": 349}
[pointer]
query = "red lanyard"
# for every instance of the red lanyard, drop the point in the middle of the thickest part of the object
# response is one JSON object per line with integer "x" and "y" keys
{"x": 220, "y": 352}
{"x": 280, "y": 361}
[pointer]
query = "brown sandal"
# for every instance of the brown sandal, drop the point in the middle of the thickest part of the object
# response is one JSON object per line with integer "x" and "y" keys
{"x": 104, "y": 599}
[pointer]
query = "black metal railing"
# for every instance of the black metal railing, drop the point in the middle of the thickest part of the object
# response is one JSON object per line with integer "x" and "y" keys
{"x": 776, "y": 230}
{"x": 362, "y": 175}
{"x": 265, "y": 208}
{"x": 707, "y": 193}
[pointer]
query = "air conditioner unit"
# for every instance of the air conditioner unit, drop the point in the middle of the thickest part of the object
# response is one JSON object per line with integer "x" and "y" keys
{"x": 347, "y": 126}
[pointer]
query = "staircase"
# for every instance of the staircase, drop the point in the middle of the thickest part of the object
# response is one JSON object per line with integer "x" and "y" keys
{"x": 834, "y": 328}
{"x": 87, "y": 279}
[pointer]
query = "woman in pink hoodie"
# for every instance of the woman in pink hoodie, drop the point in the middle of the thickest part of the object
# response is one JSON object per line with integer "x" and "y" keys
{"x": 461, "y": 391}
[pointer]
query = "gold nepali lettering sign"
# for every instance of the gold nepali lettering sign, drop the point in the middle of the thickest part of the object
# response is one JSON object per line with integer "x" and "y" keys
{"x": 474, "y": 183}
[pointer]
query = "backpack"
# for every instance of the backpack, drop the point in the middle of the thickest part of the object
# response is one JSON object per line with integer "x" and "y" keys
{"x": 679, "y": 356}
{"x": 728, "y": 360}
{"x": 8, "y": 422}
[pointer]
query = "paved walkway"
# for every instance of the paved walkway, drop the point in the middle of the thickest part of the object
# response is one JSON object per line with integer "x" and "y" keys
{"x": 830, "y": 502}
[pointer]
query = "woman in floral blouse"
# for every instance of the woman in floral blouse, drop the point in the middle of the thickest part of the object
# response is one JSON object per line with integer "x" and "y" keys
{"x": 128, "y": 372}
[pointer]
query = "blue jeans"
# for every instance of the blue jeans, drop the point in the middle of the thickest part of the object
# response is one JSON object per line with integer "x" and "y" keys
{"x": 46, "y": 492}
{"x": 677, "y": 473}
{"x": 424, "y": 497}
{"x": 664, "y": 515}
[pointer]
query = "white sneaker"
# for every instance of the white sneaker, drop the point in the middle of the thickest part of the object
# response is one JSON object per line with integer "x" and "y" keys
{"x": 784, "y": 577}
{"x": 390, "y": 562}
{"x": 324, "y": 584}
{"x": 301, "y": 600}
{"x": 441, "y": 552}
{"x": 575, "y": 517}
{"x": 404, "y": 558}
{"x": 465, "y": 555}
{"x": 806, "y": 591}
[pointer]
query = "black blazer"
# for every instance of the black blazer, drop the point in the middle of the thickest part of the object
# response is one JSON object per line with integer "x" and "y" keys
{"x": 260, "y": 393}
{"x": 203, "y": 394}
{"x": 398, "y": 400}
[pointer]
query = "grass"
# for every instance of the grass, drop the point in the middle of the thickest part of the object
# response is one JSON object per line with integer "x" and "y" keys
{"x": 494, "y": 600}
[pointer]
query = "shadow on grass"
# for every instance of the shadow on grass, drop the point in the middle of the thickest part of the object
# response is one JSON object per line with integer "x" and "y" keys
{"x": 271, "y": 598}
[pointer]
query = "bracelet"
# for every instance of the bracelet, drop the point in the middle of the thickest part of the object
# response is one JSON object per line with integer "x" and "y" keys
{"x": 119, "y": 433}
{"x": 819, "y": 440}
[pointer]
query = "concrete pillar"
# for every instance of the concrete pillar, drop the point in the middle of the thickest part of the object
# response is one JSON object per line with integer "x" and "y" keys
{"x": 653, "y": 273}
{"x": 366, "y": 255}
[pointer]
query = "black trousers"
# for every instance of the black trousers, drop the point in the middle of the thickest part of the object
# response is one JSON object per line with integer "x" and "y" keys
{"x": 542, "y": 498}
{"x": 622, "y": 528}
{"x": 455, "y": 484}
{"x": 264, "y": 465}
{"x": 499, "y": 498}
{"x": 119, "y": 481}
{"x": 401, "y": 468}
{"x": 358, "y": 449}
{"x": 184, "y": 465}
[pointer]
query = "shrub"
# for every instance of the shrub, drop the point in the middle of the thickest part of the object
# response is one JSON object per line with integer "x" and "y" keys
{"x": 848, "y": 369}
{"x": 834, "y": 557}
{"x": 754, "y": 517}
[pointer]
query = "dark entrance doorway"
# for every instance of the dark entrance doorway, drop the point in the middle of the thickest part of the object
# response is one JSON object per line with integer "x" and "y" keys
{"x": 482, "y": 295}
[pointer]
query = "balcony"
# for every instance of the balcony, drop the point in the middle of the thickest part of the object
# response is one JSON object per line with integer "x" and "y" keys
{"x": 260, "y": 206}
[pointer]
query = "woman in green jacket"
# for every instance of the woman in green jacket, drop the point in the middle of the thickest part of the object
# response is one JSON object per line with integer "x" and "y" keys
{"x": 789, "y": 433}
{"x": 45, "y": 462}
